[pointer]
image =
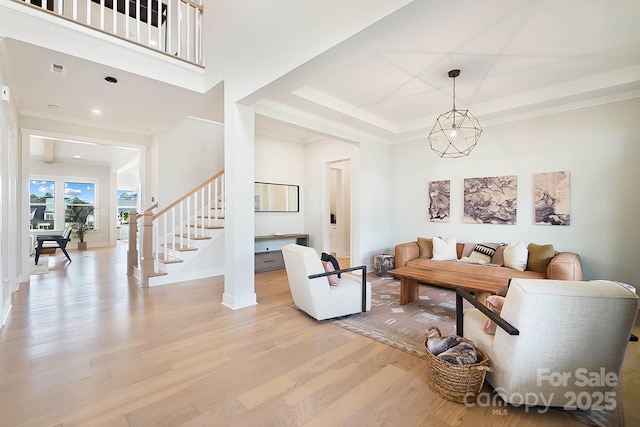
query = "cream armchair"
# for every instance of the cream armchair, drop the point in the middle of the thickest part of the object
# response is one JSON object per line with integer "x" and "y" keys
{"x": 311, "y": 290}
{"x": 558, "y": 343}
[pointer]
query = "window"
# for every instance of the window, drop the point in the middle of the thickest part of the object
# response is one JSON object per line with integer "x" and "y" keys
{"x": 79, "y": 203}
{"x": 127, "y": 201}
{"x": 42, "y": 204}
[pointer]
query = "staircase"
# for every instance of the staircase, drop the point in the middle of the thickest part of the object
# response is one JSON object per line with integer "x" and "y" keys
{"x": 183, "y": 241}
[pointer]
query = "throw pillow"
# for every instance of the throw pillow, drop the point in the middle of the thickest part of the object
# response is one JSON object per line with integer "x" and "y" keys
{"x": 515, "y": 256}
{"x": 330, "y": 258}
{"x": 494, "y": 302}
{"x": 333, "y": 278}
{"x": 444, "y": 249}
{"x": 426, "y": 247}
{"x": 539, "y": 257}
{"x": 498, "y": 257}
{"x": 483, "y": 252}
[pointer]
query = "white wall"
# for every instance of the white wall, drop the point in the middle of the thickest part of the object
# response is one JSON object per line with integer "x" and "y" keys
{"x": 12, "y": 247}
{"x": 373, "y": 206}
{"x": 598, "y": 146}
{"x": 188, "y": 154}
{"x": 280, "y": 162}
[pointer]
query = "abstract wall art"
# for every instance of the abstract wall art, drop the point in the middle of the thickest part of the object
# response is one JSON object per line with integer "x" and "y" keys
{"x": 490, "y": 200}
{"x": 551, "y": 198}
{"x": 439, "y": 193}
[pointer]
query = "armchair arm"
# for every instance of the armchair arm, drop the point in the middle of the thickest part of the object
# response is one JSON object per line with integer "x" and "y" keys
{"x": 346, "y": 270}
{"x": 508, "y": 328}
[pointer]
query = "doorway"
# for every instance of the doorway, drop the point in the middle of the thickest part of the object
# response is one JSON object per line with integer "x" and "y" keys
{"x": 339, "y": 216}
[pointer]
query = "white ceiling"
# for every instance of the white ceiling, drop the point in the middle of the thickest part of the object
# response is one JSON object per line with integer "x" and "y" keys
{"x": 517, "y": 58}
{"x": 387, "y": 83}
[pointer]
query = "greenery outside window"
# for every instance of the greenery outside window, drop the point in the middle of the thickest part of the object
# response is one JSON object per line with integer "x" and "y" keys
{"x": 42, "y": 196}
{"x": 79, "y": 201}
{"x": 127, "y": 201}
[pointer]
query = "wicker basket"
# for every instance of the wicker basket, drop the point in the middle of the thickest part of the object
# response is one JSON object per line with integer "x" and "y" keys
{"x": 457, "y": 383}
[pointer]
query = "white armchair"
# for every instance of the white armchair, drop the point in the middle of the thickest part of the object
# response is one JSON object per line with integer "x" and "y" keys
{"x": 311, "y": 290}
{"x": 558, "y": 343}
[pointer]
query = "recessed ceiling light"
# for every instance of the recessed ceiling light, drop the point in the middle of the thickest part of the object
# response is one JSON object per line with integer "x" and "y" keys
{"x": 96, "y": 111}
{"x": 53, "y": 106}
{"x": 111, "y": 79}
{"x": 77, "y": 157}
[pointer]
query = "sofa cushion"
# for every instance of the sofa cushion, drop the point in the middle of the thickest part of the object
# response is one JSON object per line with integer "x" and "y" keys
{"x": 515, "y": 256}
{"x": 539, "y": 257}
{"x": 444, "y": 249}
{"x": 426, "y": 247}
{"x": 498, "y": 257}
{"x": 465, "y": 249}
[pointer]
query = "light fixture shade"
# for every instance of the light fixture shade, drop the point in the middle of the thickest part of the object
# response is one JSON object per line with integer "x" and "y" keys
{"x": 455, "y": 133}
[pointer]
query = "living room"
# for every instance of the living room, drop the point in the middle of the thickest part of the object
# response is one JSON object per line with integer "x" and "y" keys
{"x": 592, "y": 136}
{"x": 601, "y": 182}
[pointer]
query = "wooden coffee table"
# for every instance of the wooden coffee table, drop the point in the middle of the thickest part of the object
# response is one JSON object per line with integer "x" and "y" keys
{"x": 410, "y": 277}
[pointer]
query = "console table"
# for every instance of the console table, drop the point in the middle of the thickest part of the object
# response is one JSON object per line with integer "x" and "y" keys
{"x": 268, "y": 253}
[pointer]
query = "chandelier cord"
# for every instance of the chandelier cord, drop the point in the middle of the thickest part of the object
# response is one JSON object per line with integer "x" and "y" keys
{"x": 454, "y": 94}
{"x": 454, "y": 102}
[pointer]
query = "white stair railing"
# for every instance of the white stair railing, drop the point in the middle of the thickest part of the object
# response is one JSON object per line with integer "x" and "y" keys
{"x": 173, "y": 27}
{"x": 169, "y": 233}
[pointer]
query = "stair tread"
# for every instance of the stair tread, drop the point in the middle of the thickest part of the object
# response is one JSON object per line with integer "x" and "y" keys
{"x": 208, "y": 227}
{"x": 180, "y": 247}
{"x": 194, "y": 237}
{"x": 158, "y": 273}
{"x": 165, "y": 259}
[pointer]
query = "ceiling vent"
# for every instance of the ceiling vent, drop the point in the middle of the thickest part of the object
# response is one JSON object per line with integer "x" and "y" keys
{"x": 58, "y": 68}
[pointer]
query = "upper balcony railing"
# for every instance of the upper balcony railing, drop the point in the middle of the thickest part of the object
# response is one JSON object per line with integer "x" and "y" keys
{"x": 170, "y": 26}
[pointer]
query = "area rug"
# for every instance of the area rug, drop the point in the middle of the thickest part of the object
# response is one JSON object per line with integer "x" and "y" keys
{"x": 404, "y": 327}
{"x": 42, "y": 267}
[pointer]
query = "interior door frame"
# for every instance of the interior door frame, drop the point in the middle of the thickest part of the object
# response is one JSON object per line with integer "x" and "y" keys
{"x": 326, "y": 205}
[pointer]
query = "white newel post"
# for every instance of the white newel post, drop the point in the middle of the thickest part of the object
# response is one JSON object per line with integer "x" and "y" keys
{"x": 132, "y": 253}
{"x": 146, "y": 235}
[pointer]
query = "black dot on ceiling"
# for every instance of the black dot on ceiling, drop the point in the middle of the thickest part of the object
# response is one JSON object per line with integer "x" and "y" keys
{"x": 111, "y": 79}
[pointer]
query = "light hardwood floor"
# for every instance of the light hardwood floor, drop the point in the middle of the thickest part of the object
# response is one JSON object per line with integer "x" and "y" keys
{"x": 86, "y": 346}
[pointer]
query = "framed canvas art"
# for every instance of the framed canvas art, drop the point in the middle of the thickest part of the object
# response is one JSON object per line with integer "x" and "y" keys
{"x": 439, "y": 194}
{"x": 551, "y": 198}
{"x": 490, "y": 200}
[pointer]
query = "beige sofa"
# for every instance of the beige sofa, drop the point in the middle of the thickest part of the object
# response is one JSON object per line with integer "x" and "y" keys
{"x": 562, "y": 266}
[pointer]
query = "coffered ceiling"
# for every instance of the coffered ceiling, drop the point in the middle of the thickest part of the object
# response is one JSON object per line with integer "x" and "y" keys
{"x": 387, "y": 83}
{"x": 517, "y": 59}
